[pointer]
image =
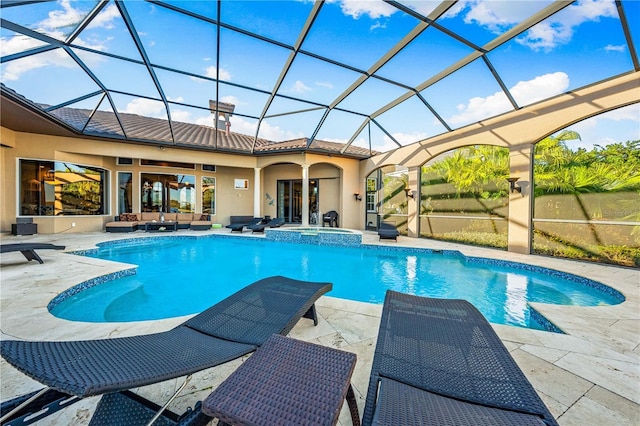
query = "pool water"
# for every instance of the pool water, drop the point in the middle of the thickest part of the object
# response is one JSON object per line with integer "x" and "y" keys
{"x": 182, "y": 276}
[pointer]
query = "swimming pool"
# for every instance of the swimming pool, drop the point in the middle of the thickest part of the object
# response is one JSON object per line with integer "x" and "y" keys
{"x": 178, "y": 276}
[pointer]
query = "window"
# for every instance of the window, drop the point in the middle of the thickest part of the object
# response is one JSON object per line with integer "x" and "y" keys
{"x": 209, "y": 195}
{"x": 371, "y": 198}
{"x": 167, "y": 193}
{"x": 125, "y": 189}
{"x": 56, "y": 188}
{"x": 123, "y": 161}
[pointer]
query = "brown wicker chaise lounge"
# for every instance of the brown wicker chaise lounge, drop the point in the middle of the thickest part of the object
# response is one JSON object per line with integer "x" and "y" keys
{"x": 439, "y": 362}
{"x": 228, "y": 330}
{"x": 28, "y": 250}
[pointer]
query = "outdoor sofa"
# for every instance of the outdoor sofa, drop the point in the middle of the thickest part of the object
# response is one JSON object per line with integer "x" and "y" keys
{"x": 230, "y": 329}
{"x": 129, "y": 222}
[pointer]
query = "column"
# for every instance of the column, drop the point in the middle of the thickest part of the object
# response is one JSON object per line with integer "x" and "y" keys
{"x": 257, "y": 200}
{"x": 413, "y": 203}
{"x": 520, "y": 209}
{"x": 305, "y": 195}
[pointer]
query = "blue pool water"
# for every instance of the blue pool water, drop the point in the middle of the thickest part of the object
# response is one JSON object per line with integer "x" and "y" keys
{"x": 180, "y": 276}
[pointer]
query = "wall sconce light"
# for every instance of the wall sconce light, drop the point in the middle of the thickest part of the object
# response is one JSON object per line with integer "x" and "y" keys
{"x": 512, "y": 185}
{"x": 408, "y": 191}
{"x": 357, "y": 196}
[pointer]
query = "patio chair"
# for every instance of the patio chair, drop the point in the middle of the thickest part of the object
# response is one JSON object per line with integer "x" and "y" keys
{"x": 439, "y": 361}
{"x": 228, "y": 330}
{"x": 330, "y": 217}
{"x": 388, "y": 231}
{"x": 238, "y": 227}
{"x": 28, "y": 250}
{"x": 276, "y": 222}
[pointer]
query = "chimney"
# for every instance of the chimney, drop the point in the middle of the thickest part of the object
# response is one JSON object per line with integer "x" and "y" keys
{"x": 222, "y": 113}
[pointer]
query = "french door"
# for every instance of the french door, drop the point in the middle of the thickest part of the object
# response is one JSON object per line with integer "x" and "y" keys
{"x": 290, "y": 200}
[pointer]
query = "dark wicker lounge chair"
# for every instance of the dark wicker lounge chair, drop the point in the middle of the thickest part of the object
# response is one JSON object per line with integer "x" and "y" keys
{"x": 28, "y": 250}
{"x": 440, "y": 362}
{"x": 230, "y": 329}
{"x": 388, "y": 231}
{"x": 238, "y": 227}
{"x": 273, "y": 223}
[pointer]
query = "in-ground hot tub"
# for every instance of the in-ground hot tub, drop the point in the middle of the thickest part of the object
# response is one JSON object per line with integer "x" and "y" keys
{"x": 314, "y": 235}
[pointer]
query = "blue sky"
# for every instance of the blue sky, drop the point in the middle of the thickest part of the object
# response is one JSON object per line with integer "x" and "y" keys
{"x": 580, "y": 45}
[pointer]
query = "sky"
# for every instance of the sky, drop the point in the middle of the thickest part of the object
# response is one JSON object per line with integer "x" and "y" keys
{"x": 578, "y": 46}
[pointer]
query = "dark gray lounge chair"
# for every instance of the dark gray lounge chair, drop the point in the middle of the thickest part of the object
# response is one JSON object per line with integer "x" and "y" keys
{"x": 388, "y": 231}
{"x": 273, "y": 223}
{"x": 440, "y": 362}
{"x": 29, "y": 249}
{"x": 230, "y": 329}
{"x": 238, "y": 227}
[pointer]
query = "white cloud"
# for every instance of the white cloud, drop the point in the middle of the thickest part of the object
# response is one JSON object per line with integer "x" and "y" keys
{"x": 300, "y": 87}
{"x": 68, "y": 17}
{"x": 17, "y": 43}
{"x": 541, "y": 87}
{"x": 559, "y": 29}
{"x": 377, "y": 25}
{"x": 612, "y": 48}
{"x": 525, "y": 93}
{"x": 497, "y": 16}
{"x": 373, "y": 8}
{"x": 182, "y": 116}
{"x": 325, "y": 84}
{"x": 407, "y": 138}
{"x": 146, "y": 108}
{"x": 231, "y": 100}
{"x": 52, "y": 25}
{"x": 267, "y": 131}
{"x": 224, "y": 74}
{"x": 105, "y": 18}
{"x": 14, "y": 69}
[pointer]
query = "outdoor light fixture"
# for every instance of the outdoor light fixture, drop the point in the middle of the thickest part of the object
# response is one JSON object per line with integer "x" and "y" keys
{"x": 512, "y": 185}
{"x": 408, "y": 191}
{"x": 357, "y": 196}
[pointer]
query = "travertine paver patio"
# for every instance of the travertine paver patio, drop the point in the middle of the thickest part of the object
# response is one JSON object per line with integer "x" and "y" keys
{"x": 591, "y": 375}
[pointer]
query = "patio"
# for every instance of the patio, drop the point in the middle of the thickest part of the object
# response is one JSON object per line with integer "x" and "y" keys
{"x": 589, "y": 376}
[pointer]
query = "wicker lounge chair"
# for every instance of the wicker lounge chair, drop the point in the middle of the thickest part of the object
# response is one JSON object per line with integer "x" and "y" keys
{"x": 273, "y": 223}
{"x": 238, "y": 227}
{"x": 28, "y": 250}
{"x": 440, "y": 362}
{"x": 228, "y": 330}
{"x": 388, "y": 231}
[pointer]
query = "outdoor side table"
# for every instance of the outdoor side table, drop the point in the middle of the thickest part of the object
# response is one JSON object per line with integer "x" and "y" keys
{"x": 286, "y": 382}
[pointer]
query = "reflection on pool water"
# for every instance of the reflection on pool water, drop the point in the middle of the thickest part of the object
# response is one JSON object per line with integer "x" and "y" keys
{"x": 179, "y": 276}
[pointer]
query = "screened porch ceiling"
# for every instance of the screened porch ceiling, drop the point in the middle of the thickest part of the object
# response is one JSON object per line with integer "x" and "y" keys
{"x": 357, "y": 77}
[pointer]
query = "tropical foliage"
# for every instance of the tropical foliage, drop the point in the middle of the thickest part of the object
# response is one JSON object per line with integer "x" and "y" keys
{"x": 600, "y": 184}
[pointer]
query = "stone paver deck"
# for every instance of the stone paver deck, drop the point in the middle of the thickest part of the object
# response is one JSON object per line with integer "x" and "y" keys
{"x": 591, "y": 375}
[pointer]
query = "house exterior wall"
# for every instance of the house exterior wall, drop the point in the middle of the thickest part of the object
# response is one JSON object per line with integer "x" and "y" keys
{"x": 229, "y": 200}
